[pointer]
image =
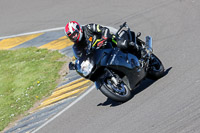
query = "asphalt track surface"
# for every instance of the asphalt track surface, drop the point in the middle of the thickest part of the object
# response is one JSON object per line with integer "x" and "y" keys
{"x": 168, "y": 105}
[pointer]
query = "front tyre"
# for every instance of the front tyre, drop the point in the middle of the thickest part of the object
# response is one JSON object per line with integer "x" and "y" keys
{"x": 116, "y": 91}
{"x": 156, "y": 68}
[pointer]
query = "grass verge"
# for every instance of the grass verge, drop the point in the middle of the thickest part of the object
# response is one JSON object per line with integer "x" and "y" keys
{"x": 26, "y": 76}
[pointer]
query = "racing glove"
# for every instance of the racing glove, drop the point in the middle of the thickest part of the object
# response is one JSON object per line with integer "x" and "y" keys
{"x": 102, "y": 42}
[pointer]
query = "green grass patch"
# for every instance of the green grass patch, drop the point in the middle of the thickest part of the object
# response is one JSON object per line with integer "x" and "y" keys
{"x": 26, "y": 76}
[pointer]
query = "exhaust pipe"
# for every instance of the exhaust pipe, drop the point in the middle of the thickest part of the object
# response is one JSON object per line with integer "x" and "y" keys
{"x": 149, "y": 43}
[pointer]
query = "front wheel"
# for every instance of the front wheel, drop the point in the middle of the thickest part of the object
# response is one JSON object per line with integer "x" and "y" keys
{"x": 156, "y": 68}
{"x": 116, "y": 91}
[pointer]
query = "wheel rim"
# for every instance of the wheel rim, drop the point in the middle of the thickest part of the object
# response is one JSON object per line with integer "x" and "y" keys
{"x": 120, "y": 89}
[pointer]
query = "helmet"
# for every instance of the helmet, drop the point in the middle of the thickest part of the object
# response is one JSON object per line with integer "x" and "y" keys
{"x": 74, "y": 31}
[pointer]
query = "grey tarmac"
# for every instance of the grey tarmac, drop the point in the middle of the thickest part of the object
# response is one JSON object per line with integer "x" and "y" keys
{"x": 168, "y": 105}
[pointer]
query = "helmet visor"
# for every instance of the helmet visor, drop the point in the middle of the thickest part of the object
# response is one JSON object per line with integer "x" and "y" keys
{"x": 74, "y": 36}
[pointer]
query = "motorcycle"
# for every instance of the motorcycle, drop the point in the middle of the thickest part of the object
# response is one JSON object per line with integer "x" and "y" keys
{"x": 117, "y": 73}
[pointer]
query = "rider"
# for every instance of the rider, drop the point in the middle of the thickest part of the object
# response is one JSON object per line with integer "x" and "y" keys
{"x": 89, "y": 37}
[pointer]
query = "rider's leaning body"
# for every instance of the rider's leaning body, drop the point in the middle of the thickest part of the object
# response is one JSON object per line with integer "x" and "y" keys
{"x": 90, "y": 37}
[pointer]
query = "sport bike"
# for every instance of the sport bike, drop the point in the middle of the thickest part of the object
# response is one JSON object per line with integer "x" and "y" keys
{"x": 115, "y": 72}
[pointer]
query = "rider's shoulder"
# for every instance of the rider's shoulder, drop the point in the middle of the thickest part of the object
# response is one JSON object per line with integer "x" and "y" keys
{"x": 89, "y": 26}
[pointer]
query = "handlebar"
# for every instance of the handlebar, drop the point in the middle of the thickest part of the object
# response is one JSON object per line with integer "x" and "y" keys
{"x": 128, "y": 29}
{"x": 121, "y": 26}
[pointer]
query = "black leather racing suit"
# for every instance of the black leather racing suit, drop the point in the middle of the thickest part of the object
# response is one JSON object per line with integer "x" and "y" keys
{"x": 92, "y": 35}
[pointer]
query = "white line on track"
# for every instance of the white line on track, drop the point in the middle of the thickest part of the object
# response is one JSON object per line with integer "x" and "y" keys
{"x": 47, "y": 30}
{"x": 69, "y": 106}
{"x": 35, "y": 32}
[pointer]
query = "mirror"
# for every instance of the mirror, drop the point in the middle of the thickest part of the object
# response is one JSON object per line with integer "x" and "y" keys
{"x": 138, "y": 34}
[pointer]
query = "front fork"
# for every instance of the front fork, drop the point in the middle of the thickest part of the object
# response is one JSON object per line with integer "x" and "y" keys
{"x": 148, "y": 50}
{"x": 107, "y": 73}
{"x": 115, "y": 78}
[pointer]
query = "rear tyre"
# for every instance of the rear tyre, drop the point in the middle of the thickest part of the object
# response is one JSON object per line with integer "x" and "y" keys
{"x": 156, "y": 68}
{"x": 117, "y": 92}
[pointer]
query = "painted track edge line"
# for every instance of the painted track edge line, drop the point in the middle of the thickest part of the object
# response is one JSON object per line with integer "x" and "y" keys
{"x": 40, "y": 31}
{"x": 65, "y": 109}
{"x": 34, "y": 32}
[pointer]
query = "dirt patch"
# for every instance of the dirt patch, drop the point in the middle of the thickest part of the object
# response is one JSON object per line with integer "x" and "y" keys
{"x": 64, "y": 70}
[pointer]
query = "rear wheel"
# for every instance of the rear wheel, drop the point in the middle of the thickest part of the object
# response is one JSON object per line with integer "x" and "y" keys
{"x": 156, "y": 68}
{"x": 116, "y": 91}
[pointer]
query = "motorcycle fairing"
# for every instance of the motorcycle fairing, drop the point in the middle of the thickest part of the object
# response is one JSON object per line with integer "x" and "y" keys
{"x": 123, "y": 62}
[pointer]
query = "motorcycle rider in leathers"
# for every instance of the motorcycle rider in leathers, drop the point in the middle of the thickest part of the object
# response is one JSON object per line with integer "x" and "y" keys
{"x": 90, "y": 37}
